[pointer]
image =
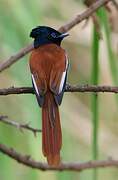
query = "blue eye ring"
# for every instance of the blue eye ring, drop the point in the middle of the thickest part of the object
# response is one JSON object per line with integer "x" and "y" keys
{"x": 53, "y": 35}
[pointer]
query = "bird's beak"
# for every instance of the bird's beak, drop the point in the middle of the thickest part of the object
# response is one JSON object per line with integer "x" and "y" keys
{"x": 63, "y": 35}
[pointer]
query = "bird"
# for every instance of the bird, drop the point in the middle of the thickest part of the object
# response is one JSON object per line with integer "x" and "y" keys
{"x": 49, "y": 65}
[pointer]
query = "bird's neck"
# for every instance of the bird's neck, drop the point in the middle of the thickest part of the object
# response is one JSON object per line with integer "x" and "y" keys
{"x": 42, "y": 41}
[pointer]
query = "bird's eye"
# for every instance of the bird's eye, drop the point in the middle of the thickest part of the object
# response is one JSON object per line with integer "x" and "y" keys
{"x": 53, "y": 35}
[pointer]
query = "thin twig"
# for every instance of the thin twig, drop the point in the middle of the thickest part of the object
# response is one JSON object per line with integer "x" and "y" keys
{"x": 25, "y": 126}
{"x": 115, "y": 4}
{"x": 7, "y": 63}
{"x": 69, "y": 88}
{"x": 28, "y": 161}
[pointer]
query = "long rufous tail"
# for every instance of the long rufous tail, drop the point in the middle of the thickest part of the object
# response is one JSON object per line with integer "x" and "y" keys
{"x": 51, "y": 130}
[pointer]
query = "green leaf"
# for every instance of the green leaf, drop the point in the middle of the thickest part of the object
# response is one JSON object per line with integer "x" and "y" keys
{"x": 94, "y": 80}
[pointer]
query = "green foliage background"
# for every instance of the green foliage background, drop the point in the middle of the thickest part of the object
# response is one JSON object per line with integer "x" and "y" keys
{"x": 87, "y": 57}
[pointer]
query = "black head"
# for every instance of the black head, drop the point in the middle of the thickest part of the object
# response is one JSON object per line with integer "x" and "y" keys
{"x": 46, "y": 35}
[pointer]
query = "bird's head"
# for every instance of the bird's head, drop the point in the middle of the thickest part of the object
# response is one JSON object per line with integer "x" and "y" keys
{"x": 46, "y": 35}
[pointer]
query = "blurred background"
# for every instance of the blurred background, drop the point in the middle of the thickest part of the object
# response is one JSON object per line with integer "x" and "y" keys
{"x": 89, "y": 122}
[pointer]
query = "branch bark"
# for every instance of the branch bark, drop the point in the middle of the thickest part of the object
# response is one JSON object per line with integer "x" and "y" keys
{"x": 14, "y": 58}
{"x": 69, "y": 88}
{"x": 26, "y": 160}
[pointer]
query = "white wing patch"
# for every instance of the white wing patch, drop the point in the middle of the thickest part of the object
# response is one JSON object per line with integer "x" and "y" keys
{"x": 63, "y": 77}
{"x": 62, "y": 81}
{"x": 35, "y": 85}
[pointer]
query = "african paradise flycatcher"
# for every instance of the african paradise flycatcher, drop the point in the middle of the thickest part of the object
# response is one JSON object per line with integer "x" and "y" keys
{"x": 49, "y": 65}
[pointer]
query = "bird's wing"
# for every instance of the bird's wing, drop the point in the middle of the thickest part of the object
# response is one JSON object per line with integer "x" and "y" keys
{"x": 39, "y": 85}
{"x": 58, "y": 79}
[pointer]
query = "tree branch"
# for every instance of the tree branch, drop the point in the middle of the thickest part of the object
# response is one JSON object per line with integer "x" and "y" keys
{"x": 26, "y": 160}
{"x": 69, "y": 88}
{"x": 4, "y": 119}
{"x": 7, "y": 63}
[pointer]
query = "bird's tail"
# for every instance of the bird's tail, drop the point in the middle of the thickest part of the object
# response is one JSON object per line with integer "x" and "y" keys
{"x": 51, "y": 130}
